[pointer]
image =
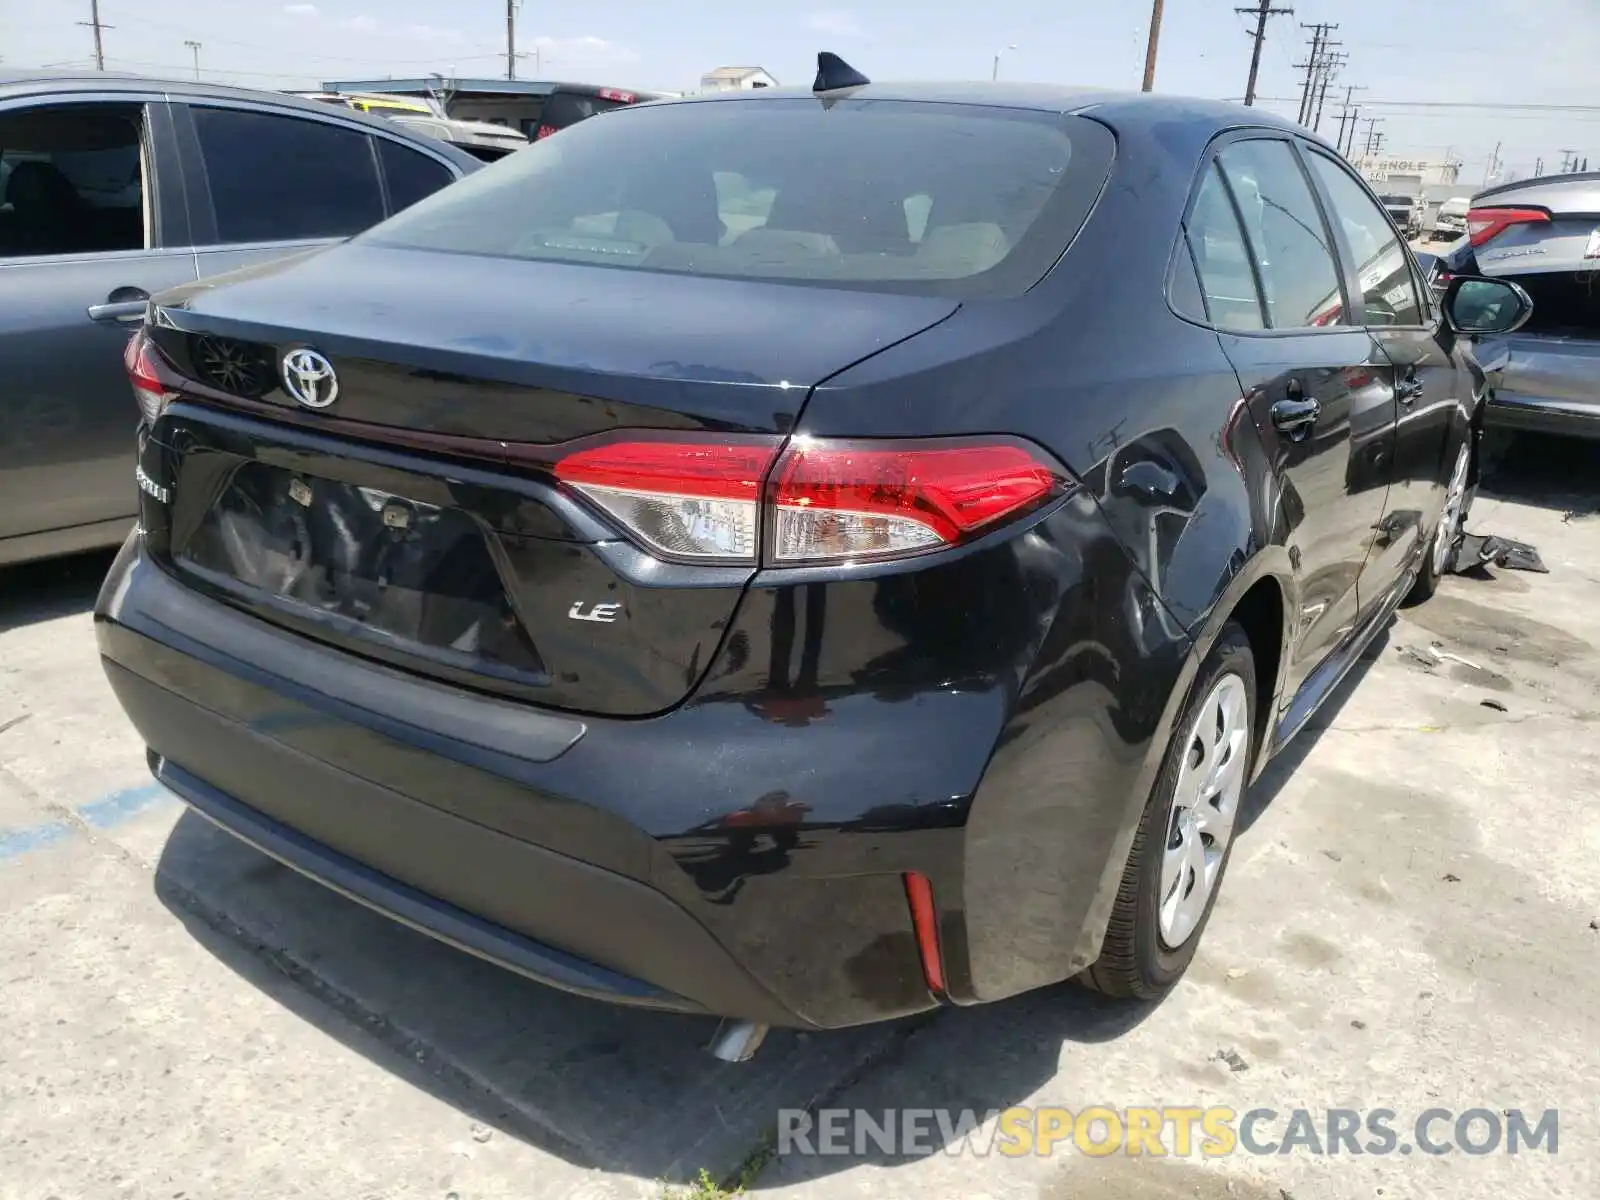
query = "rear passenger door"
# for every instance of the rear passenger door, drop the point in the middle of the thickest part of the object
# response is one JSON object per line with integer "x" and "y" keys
{"x": 92, "y": 222}
{"x": 268, "y": 182}
{"x": 1314, "y": 382}
{"x": 1429, "y": 386}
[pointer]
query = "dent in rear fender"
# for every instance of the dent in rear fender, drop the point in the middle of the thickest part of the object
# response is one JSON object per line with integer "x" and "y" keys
{"x": 1049, "y": 830}
{"x": 858, "y": 714}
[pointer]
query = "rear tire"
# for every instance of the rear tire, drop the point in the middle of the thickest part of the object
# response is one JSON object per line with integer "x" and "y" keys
{"x": 1185, "y": 836}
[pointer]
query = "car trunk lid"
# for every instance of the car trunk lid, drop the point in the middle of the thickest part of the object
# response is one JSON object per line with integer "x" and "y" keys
{"x": 417, "y": 519}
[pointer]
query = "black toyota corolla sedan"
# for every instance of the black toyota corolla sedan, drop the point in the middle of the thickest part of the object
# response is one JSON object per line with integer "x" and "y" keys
{"x": 805, "y": 558}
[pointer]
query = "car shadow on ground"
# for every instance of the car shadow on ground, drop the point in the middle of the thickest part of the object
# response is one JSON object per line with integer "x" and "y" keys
{"x": 1562, "y": 474}
{"x": 600, "y": 1086}
{"x": 57, "y": 587}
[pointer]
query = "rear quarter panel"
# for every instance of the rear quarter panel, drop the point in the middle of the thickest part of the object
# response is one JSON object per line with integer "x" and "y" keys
{"x": 1146, "y": 411}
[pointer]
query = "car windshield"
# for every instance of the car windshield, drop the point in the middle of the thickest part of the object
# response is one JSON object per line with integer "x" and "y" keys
{"x": 943, "y": 199}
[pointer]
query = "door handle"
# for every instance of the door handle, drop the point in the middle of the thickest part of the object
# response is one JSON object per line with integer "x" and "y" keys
{"x": 1408, "y": 390}
{"x": 124, "y": 304}
{"x": 1295, "y": 418}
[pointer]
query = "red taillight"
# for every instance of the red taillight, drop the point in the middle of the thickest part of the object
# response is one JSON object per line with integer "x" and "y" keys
{"x": 544, "y": 132}
{"x": 615, "y": 94}
{"x": 834, "y": 501}
{"x": 697, "y": 500}
{"x": 826, "y": 501}
{"x": 925, "y": 923}
{"x": 145, "y": 374}
{"x": 1484, "y": 224}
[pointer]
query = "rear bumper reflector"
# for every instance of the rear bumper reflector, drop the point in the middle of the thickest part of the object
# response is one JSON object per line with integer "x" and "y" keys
{"x": 925, "y": 921}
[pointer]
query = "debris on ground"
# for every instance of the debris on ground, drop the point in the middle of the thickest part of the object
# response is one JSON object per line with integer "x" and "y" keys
{"x": 1479, "y": 550}
{"x": 1449, "y": 878}
{"x": 1233, "y": 1058}
{"x": 1358, "y": 1024}
{"x": 1494, "y": 704}
{"x": 1424, "y": 656}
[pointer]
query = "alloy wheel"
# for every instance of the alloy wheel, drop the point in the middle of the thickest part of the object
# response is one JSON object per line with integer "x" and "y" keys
{"x": 1450, "y": 519}
{"x": 1205, "y": 804}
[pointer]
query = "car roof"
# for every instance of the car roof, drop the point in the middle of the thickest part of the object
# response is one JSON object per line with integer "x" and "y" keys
{"x": 1116, "y": 108}
{"x": 45, "y": 83}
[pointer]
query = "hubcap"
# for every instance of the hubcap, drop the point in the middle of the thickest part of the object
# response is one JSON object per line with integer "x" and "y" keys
{"x": 1204, "y": 805}
{"x": 1450, "y": 521}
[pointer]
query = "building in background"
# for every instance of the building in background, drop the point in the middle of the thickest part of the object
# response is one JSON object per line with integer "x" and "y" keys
{"x": 1431, "y": 181}
{"x": 736, "y": 79}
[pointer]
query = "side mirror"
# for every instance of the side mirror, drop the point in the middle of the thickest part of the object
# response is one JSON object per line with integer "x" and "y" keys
{"x": 1474, "y": 305}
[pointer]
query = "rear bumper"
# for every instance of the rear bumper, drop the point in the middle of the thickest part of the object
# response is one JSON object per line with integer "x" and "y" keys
{"x": 1544, "y": 383}
{"x": 1532, "y": 414}
{"x": 462, "y": 820}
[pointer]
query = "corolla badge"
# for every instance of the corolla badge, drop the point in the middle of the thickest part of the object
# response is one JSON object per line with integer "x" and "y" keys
{"x": 310, "y": 378}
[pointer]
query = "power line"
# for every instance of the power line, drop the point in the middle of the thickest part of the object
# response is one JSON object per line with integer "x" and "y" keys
{"x": 1263, "y": 12}
{"x": 94, "y": 22}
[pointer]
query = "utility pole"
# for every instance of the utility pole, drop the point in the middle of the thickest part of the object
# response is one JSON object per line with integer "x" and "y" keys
{"x": 94, "y": 22}
{"x": 1330, "y": 67}
{"x": 1150, "y": 49}
{"x": 1372, "y": 134}
{"x": 1538, "y": 167}
{"x": 195, "y": 49}
{"x": 1377, "y": 142}
{"x": 511, "y": 39}
{"x": 1494, "y": 164}
{"x": 1349, "y": 151}
{"x": 1347, "y": 117}
{"x": 1319, "y": 45}
{"x": 1263, "y": 12}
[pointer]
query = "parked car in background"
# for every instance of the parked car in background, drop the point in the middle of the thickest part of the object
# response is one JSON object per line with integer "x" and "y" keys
{"x": 1543, "y": 234}
{"x": 486, "y": 140}
{"x": 1405, "y": 212}
{"x": 597, "y": 613}
{"x": 1451, "y": 222}
{"x": 113, "y": 187}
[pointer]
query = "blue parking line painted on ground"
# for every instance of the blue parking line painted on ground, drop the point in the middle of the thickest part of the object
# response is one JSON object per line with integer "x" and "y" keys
{"x": 119, "y": 806}
{"x": 104, "y": 813}
{"x": 14, "y": 843}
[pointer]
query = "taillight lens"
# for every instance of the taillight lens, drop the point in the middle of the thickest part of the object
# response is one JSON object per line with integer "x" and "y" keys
{"x": 824, "y": 501}
{"x": 684, "y": 499}
{"x": 544, "y": 132}
{"x": 145, "y": 373}
{"x": 1484, "y": 224}
{"x": 839, "y": 501}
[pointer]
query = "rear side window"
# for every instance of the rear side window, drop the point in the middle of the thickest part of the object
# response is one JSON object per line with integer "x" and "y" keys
{"x": 1294, "y": 259}
{"x": 279, "y": 178}
{"x": 938, "y": 199}
{"x": 1222, "y": 258}
{"x": 71, "y": 180}
{"x": 1389, "y": 293}
{"x": 410, "y": 174}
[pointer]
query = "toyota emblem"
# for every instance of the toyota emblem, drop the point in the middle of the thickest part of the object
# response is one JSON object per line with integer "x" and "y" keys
{"x": 310, "y": 378}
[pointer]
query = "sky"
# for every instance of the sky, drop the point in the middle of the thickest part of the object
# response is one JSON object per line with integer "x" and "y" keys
{"x": 1456, "y": 77}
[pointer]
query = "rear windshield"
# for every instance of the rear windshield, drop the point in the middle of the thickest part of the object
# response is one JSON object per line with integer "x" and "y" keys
{"x": 939, "y": 199}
